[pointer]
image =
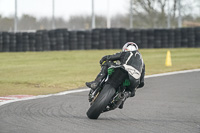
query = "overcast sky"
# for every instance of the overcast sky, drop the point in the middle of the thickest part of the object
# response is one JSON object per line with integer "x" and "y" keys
{"x": 63, "y": 8}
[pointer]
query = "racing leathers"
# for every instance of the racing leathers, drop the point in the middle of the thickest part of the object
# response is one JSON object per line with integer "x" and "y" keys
{"x": 130, "y": 61}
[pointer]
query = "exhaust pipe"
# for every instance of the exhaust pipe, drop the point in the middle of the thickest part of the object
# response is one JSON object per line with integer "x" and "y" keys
{"x": 119, "y": 99}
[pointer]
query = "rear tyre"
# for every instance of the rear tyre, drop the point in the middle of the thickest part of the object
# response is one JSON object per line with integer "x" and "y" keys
{"x": 101, "y": 102}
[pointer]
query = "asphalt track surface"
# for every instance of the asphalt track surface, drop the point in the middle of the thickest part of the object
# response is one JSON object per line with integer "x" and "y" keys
{"x": 167, "y": 104}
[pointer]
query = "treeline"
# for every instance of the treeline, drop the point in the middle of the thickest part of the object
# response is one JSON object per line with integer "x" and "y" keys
{"x": 28, "y": 23}
{"x": 146, "y": 14}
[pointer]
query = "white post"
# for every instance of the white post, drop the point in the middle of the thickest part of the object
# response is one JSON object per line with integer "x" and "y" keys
{"x": 15, "y": 21}
{"x": 108, "y": 14}
{"x": 168, "y": 17}
{"x": 179, "y": 16}
{"x": 131, "y": 14}
{"x": 53, "y": 14}
{"x": 93, "y": 16}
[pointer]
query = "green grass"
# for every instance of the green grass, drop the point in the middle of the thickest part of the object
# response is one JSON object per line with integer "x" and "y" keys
{"x": 37, "y": 73}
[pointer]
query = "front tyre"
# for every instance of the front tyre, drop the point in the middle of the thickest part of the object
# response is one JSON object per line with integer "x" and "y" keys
{"x": 101, "y": 102}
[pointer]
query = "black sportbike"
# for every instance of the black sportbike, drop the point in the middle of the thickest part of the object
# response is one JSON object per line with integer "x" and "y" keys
{"x": 110, "y": 92}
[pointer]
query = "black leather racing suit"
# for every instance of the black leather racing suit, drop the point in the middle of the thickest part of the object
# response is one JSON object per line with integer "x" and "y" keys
{"x": 132, "y": 62}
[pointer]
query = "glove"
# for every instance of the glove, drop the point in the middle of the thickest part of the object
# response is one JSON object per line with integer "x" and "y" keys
{"x": 102, "y": 60}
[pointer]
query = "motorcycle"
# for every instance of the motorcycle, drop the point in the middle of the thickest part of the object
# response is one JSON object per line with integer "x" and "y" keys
{"x": 106, "y": 97}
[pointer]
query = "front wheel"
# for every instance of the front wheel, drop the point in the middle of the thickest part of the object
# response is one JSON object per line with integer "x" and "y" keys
{"x": 101, "y": 102}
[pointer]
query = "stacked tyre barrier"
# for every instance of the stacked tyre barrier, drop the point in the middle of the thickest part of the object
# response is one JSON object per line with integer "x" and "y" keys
{"x": 38, "y": 43}
{"x": 6, "y": 41}
{"x": 123, "y": 37}
{"x": 171, "y": 39}
{"x": 1, "y": 42}
{"x": 12, "y": 46}
{"x": 73, "y": 40}
{"x": 32, "y": 41}
{"x": 102, "y": 39}
{"x": 96, "y": 38}
{"x": 25, "y": 41}
{"x": 150, "y": 38}
{"x": 59, "y": 39}
{"x": 109, "y": 39}
{"x": 114, "y": 38}
{"x": 80, "y": 40}
{"x": 197, "y": 37}
{"x": 88, "y": 39}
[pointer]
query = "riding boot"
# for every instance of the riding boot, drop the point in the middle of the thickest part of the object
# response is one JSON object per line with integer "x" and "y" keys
{"x": 100, "y": 76}
{"x": 132, "y": 93}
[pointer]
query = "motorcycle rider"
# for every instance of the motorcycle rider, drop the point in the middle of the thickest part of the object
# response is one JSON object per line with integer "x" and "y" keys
{"x": 130, "y": 60}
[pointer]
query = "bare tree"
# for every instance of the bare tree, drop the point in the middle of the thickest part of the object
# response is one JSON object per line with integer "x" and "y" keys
{"x": 119, "y": 21}
{"x": 27, "y": 22}
{"x": 79, "y": 22}
{"x": 6, "y": 24}
{"x": 154, "y": 12}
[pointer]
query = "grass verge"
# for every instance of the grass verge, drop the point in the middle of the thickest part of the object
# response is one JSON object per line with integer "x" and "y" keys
{"x": 37, "y": 73}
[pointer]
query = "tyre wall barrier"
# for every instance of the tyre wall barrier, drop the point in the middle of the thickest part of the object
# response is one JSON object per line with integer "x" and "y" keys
{"x": 114, "y": 38}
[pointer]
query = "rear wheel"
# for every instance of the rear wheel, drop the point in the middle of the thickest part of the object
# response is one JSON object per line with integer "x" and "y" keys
{"x": 101, "y": 102}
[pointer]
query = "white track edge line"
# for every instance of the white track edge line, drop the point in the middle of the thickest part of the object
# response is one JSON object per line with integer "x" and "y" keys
{"x": 87, "y": 89}
{"x": 172, "y": 73}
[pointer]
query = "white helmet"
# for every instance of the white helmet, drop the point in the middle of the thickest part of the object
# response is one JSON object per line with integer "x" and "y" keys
{"x": 130, "y": 46}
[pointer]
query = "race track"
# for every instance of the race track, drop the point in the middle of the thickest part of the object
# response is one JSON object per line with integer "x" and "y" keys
{"x": 167, "y": 104}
